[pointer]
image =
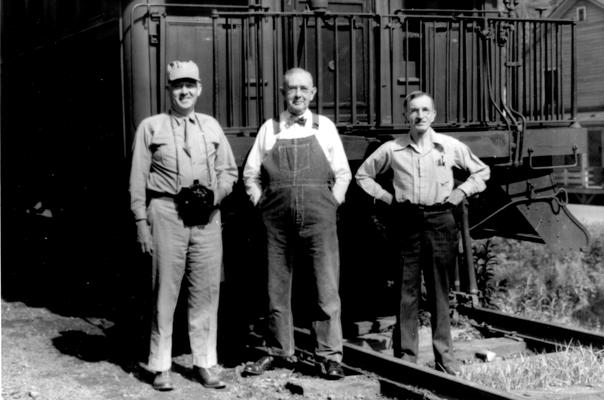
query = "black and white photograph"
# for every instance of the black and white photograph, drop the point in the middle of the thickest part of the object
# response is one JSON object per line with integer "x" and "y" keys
{"x": 302, "y": 199}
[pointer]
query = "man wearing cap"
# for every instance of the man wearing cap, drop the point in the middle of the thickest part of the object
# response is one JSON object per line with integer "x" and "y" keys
{"x": 422, "y": 220}
{"x": 174, "y": 153}
{"x": 297, "y": 174}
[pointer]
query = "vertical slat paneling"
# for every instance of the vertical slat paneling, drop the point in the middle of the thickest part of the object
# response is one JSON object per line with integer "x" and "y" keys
{"x": 353, "y": 72}
{"x": 336, "y": 60}
{"x": 481, "y": 68}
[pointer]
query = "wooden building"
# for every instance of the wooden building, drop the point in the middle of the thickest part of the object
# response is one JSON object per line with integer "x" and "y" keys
{"x": 587, "y": 180}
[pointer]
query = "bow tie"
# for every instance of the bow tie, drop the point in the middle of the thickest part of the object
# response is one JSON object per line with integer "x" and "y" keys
{"x": 297, "y": 120}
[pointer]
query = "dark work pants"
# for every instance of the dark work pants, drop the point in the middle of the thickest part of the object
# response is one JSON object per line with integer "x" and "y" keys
{"x": 427, "y": 241}
{"x": 299, "y": 212}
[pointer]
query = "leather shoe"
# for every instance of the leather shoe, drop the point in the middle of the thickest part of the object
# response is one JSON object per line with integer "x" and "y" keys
{"x": 208, "y": 379}
{"x": 163, "y": 381}
{"x": 333, "y": 370}
{"x": 259, "y": 367}
{"x": 449, "y": 368}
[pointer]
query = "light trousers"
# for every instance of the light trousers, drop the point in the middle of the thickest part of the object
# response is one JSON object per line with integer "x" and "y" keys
{"x": 192, "y": 254}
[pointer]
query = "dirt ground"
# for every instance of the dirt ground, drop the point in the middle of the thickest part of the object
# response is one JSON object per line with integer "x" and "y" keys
{"x": 46, "y": 356}
{"x": 75, "y": 317}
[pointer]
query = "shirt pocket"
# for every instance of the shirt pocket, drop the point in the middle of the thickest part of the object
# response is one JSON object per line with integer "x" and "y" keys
{"x": 444, "y": 173}
{"x": 162, "y": 150}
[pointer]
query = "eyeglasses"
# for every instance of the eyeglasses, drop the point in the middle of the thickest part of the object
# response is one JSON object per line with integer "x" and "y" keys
{"x": 294, "y": 89}
{"x": 183, "y": 85}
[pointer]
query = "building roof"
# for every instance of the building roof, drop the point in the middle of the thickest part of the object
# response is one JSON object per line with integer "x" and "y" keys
{"x": 565, "y": 5}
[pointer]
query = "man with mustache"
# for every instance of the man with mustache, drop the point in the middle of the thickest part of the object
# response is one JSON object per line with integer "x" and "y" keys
{"x": 423, "y": 225}
{"x": 297, "y": 174}
{"x": 180, "y": 155}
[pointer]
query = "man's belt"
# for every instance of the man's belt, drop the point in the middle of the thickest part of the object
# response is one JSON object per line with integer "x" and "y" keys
{"x": 420, "y": 207}
{"x": 152, "y": 194}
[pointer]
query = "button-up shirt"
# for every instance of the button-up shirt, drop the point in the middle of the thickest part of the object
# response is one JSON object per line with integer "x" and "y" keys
{"x": 422, "y": 176}
{"x": 327, "y": 136}
{"x": 163, "y": 161}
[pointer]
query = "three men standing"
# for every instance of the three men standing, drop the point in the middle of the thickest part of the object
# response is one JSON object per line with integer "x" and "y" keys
{"x": 297, "y": 174}
{"x": 423, "y": 224}
{"x": 176, "y": 153}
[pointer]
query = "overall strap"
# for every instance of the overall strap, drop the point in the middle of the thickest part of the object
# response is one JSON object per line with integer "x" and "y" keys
{"x": 315, "y": 121}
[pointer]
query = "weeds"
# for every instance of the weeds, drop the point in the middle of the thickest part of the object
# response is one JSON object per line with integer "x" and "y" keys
{"x": 570, "y": 365}
{"x": 534, "y": 281}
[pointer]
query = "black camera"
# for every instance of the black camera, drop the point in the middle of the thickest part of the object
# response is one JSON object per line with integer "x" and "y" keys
{"x": 195, "y": 204}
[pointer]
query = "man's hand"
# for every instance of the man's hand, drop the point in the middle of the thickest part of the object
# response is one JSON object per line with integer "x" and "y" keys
{"x": 143, "y": 236}
{"x": 456, "y": 197}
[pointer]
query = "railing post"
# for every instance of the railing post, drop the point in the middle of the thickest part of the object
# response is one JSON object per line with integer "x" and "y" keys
{"x": 573, "y": 68}
{"x": 467, "y": 249}
{"x": 584, "y": 170}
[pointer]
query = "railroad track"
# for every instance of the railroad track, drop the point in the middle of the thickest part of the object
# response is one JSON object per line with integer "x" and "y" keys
{"x": 405, "y": 380}
{"x": 540, "y": 335}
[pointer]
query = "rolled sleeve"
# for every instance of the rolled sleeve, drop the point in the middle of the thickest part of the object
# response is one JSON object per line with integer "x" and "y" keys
{"x": 375, "y": 164}
{"x": 478, "y": 170}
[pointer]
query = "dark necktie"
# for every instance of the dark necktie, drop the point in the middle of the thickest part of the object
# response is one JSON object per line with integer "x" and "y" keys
{"x": 187, "y": 147}
{"x": 301, "y": 121}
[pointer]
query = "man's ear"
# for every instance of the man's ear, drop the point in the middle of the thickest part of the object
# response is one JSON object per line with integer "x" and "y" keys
{"x": 282, "y": 90}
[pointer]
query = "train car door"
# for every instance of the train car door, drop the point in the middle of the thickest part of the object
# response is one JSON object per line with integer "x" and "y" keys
{"x": 337, "y": 51}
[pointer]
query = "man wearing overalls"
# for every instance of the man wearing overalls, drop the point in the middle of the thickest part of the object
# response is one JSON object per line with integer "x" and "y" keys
{"x": 297, "y": 174}
{"x": 178, "y": 152}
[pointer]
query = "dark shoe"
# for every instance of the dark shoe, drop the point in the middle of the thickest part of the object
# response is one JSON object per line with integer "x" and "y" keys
{"x": 333, "y": 370}
{"x": 449, "y": 368}
{"x": 259, "y": 367}
{"x": 163, "y": 381}
{"x": 208, "y": 379}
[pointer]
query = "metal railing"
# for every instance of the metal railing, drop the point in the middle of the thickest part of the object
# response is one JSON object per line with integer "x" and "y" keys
{"x": 483, "y": 70}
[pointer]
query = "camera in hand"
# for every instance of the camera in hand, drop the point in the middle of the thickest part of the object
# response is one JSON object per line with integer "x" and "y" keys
{"x": 195, "y": 204}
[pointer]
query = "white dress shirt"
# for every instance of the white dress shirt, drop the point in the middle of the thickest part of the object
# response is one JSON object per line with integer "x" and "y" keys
{"x": 327, "y": 136}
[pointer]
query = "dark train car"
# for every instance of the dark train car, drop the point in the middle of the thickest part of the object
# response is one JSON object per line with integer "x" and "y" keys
{"x": 78, "y": 76}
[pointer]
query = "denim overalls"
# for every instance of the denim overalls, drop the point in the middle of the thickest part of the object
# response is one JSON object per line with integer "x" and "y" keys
{"x": 299, "y": 211}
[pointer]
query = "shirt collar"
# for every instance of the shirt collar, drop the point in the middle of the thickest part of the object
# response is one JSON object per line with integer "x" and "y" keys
{"x": 405, "y": 140}
{"x": 179, "y": 119}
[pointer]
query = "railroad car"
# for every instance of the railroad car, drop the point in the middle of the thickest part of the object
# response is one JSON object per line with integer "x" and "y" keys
{"x": 78, "y": 76}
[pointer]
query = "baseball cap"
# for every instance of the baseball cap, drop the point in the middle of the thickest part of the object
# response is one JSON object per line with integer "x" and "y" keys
{"x": 183, "y": 70}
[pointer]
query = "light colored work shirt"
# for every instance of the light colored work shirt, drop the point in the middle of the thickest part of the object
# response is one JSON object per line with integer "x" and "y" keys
{"x": 422, "y": 176}
{"x": 163, "y": 161}
{"x": 327, "y": 136}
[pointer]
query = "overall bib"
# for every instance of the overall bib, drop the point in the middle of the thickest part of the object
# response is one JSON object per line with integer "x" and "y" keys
{"x": 299, "y": 212}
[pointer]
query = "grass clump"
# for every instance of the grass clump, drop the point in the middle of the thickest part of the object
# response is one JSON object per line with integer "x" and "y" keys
{"x": 537, "y": 282}
{"x": 569, "y": 366}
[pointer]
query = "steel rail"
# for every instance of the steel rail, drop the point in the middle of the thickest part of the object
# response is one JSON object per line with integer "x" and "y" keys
{"x": 405, "y": 379}
{"x": 542, "y": 333}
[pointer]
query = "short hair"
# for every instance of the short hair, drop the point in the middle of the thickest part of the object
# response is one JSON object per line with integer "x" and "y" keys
{"x": 414, "y": 95}
{"x": 297, "y": 70}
